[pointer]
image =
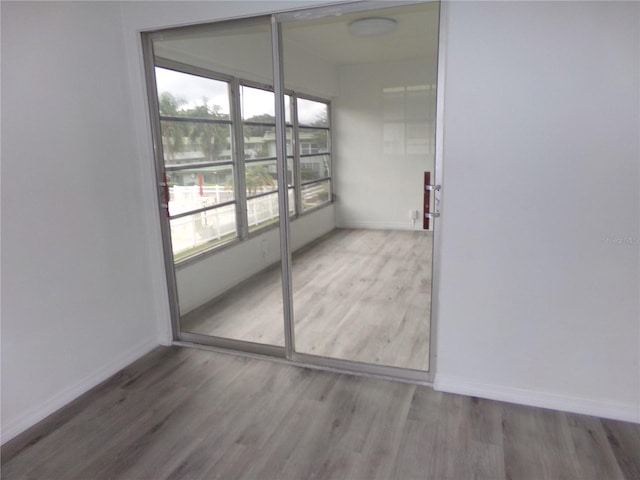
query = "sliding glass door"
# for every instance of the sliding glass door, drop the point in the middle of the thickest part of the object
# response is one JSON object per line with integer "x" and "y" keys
{"x": 291, "y": 155}
{"x": 216, "y": 109}
{"x": 362, "y": 291}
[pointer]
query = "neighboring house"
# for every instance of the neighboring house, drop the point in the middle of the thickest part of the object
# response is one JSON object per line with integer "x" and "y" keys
{"x": 254, "y": 147}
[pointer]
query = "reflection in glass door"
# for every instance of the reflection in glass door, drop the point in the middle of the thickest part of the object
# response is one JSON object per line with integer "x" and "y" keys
{"x": 196, "y": 123}
{"x": 362, "y": 291}
{"x": 312, "y": 173}
{"x": 216, "y": 110}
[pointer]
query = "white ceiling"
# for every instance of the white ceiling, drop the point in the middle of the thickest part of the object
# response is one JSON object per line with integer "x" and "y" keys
{"x": 416, "y": 36}
{"x": 327, "y": 38}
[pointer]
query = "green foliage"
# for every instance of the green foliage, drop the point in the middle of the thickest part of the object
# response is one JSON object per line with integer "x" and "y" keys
{"x": 209, "y": 138}
{"x": 257, "y": 176}
{"x": 264, "y": 118}
{"x": 321, "y": 120}
{"x": 169, "y": 105}
{"x": 260, "y": 131}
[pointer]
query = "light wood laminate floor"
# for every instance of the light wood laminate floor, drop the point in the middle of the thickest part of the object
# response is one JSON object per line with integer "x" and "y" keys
{"x": 182, "y": 413}
{"x": 360, "y": 295}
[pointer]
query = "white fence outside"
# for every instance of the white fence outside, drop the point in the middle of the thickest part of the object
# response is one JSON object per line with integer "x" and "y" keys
{"x": 184, "y": 199}
{"x": 217, "y": 224}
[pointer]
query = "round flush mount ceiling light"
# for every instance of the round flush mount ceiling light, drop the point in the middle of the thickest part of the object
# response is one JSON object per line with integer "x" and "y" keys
{"x": 372, "y": 27}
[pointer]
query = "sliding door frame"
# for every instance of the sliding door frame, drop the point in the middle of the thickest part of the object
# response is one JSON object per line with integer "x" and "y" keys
{"x": 180, "y": 336}
{"x": 161, "y": 181}
{"x": 288, "y": 353}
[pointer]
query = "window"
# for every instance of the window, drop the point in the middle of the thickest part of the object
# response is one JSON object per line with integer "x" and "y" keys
{"x": 409, "y": 116}
{"x": 199, "y": 125}
{"x": 257, "y": 105}
{"x": 314, "y": 138}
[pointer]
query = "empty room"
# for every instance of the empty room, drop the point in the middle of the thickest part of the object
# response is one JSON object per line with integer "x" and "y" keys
{"x": 311, "y": 239}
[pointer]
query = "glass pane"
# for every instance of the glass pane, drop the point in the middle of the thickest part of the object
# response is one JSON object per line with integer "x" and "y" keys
{"x": 315, "y": 195}
{"x": 257, "y": 105}
{"x": 362, "y": 294}
{"x": 393, "y": 103}
{"x": 409, "y": 120}
{"x": 314, "y": 168}
{"x": 313, "y": 141}
{"x": 233, "y": 292}
{"x": 259, "y": 141}
{"x": 292, "y": 201}
{"x": 287, "y": 109}
{"x": 290, "y": 171}
{"x": 393, "y": 138}
{"x": 419, "y": 142}
{"x": 200, "y": 231}
{"x": 313, "y": 114}
{"x": 262, "y": 211}
{"x": 289, "y": 136}
{"x": 258, "y": 176}
{"x": 184, "y": 143}
{"x": 261, "y": 177}
{"x": 419, "y": 102}
{"x": 185, "y": 95}
{"x": 196, "y": 188}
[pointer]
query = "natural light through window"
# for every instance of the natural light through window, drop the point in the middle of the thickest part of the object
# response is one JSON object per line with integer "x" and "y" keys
{"x": 199, "y": 125}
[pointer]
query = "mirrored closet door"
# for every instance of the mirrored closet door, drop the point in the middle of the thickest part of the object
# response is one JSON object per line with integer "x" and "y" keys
{"x": 216, "y": 108}
{"x": 362, "y": 286}
{"x": 292, "y": 151}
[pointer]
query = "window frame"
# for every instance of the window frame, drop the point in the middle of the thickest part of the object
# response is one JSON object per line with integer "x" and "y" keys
{"x": 239, "y": 160}
{"x": 299, "y": 156}
{"x": 179, "y": 67}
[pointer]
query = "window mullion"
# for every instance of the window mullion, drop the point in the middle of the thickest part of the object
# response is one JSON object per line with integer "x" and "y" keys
{"x": 238, "y": 142}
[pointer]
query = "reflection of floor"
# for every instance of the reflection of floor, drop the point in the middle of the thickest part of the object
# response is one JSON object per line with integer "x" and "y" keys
{"x": 361, "y": 295}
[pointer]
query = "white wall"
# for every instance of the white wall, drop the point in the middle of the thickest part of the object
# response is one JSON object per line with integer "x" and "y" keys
{"x": 377, "y": 183}
{"x": 144, "y": 16}
{"x": 540, "y": 227}
{"x": 535, "y": 305}
{"x": 205, "y": 279}
{"x": 77, "y": 303}
{"x": 84, "y": 291}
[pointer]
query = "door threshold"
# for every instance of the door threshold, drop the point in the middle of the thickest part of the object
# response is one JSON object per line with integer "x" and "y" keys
{"x": 324, "y": 364}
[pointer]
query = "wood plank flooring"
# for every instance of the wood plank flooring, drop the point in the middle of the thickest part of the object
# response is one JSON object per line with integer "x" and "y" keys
{"x": 182, "y": 413}
{"x": 361, "y": 295}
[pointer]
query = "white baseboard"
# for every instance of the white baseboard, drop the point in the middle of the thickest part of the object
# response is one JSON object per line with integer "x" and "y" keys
{"x": 165, "y": 334}
{"x": 380, "y": 225}
{"x": 565, "y": 403}
{"x": 59, "y": 400}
